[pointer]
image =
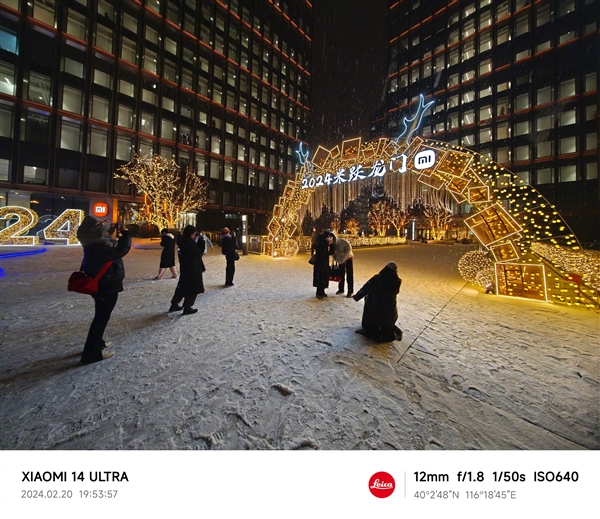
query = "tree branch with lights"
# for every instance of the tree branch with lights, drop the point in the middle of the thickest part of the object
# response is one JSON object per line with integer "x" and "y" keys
{"x": 168, "y": 191}
{"x": 438, "y": 214}
{"x": 379, "y": 214}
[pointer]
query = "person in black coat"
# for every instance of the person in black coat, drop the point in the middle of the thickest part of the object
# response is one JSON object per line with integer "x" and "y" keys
{"x": 167, "y": 256}
{"x": 191, "y": 248}
{"x": 98, "y": 249}
{"x": 323, "y": 249}
{"x": 381, "y": 312}
{"x": 229, "y": 250}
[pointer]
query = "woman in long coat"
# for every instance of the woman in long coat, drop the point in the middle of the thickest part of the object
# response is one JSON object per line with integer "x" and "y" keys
{"x": 167, "y": 256}
{"x": 323, "y": 250}
{"x": 191, "y": 248}
{"x": 381, "y": 312}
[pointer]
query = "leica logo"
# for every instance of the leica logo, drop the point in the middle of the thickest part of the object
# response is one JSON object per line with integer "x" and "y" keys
{"x": 381, "y": 484}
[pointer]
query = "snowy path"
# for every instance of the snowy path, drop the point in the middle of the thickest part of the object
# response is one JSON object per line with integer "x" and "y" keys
{"x": 265, "y": 365}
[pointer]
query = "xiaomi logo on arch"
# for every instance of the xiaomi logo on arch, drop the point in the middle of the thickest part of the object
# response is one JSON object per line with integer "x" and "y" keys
{"x": 424, "y": 159}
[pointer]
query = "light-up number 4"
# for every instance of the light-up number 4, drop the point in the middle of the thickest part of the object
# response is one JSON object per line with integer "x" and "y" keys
{"x": 64, "y": 228}
{"x": 11, "y": 234}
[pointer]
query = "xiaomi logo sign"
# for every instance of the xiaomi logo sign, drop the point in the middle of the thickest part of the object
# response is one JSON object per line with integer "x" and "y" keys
{"x": 100, "y": 209}
{"x": 424, "y": 159}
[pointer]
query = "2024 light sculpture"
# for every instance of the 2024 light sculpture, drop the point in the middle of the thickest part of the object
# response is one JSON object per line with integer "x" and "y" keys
{"x": 535, "y": 254}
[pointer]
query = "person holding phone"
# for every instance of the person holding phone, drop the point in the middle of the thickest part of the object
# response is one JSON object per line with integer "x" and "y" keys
{"x": 98, "y": 249}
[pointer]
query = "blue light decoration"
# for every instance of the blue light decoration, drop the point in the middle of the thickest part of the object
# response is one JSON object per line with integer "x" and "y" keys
{"x": 24, "y": 253}
{"x": 412, "y": 125}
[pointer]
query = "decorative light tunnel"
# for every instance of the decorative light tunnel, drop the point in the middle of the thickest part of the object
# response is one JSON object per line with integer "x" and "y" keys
{"x": 531, "y": 251}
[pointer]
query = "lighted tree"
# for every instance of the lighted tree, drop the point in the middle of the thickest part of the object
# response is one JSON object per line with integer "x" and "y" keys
{"x": 398, "y": 219}
{"x": 379, "y": 214}
{"x": 168, "y": 191}
{"x": 438, "y": 214}
{"x": 352, "y": 226}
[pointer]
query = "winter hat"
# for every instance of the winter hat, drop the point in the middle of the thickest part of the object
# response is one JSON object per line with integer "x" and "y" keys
{"x": 189, "y": 230}
{"x": 225, "y": 230}
{"x": 393, "y": 266}
{"x": 164, "y": 230}
{"x": 91, "y": 230}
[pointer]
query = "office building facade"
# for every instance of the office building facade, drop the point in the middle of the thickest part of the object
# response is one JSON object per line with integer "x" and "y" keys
{"x": 515, "y": 80}
{"x": 220, "y": 86}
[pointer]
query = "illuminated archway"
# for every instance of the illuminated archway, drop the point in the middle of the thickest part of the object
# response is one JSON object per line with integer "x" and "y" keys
{"x": 533, "y": 252}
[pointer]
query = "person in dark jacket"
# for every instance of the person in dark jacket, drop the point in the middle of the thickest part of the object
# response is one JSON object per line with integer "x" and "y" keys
{"x": 98, "y": 249}
{"x": 381, "y": 312}
{"x": 323, "y": 249}
{"x": 191, "y": 248}
{"x": 167, "y": 256}
{"x": 229, "y": 250}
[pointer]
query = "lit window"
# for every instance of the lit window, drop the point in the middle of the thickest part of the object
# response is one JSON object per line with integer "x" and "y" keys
{"x": 568, "y": 173}
{"x": 544, "y": 176}
{"x": 568, "y": 145}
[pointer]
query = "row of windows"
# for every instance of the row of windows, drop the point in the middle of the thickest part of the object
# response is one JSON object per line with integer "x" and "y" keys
{"x": 280, "y": 116}
{"x": 235, "y": 185}
{"x": 211, "y": 26}
{"x": 36, "y": 128}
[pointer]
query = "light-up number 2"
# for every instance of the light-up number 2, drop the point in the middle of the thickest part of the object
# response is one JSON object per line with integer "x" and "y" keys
{"x": 12, "y": 234}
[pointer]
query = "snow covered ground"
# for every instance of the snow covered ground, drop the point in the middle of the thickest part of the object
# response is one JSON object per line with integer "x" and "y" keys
{"x": 266, "y": 365}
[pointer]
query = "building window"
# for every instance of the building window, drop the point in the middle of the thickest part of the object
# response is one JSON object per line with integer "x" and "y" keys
{"x": 35, "y": 175}
{"x": 96, "y": 181}
{"x": 567, "y": 88}
{"x": 502, "y": 36}
{"x": 126, "y": 88}
{"x": 126, "y": 117}
{"x": 503, "y": 155}
{"x": 150, "y": 63}
{"x": 568, "y": 173}
{"x": 124, "y": 148}
{"x": 568, "y": 145}
{"x": 7, "y": 79}
{"x": 485, "y": 66}
{"x": 100, "y": 108}
{"x": 568, "y": 117}
{"x": 98, "y": 141}
{"x": 522, "y": 153}
{"x": 544, "y": 176}
{"x": 147, "y": 124}
{"x": 502, "y": 131}
{"x": 8, "y": 40}
{"x": 590, "y": 82}
{"x": 39, "y": 89}
{"x": 522, "y": 102}
{"x": 4, "y": 170}
{"x": 102, "y": 78}
{"x": 103, "y": 38}
{"x": 543, "y": 15}
{"x": 6, "y": 126}
{"x": 591, "y": 171}
{"x": 70, "y": 135}
{"x": 566, "y": 7}
{"x": 522, "y": 128}
{"x": 76, "y": 24}
{"x": 68, "y": 178}
{"x": 522, "y": 25}
{"x": 72, "y": 99}
{"x": 44, "y": 11}
{"x": 485, "y": 135}
{"x": 167, "y": 130}
{"x": 567, "y": 36}
{"x": 36, "y": 128}
{"x": 591, "y": 141}
{"x": 146, "y": 148}
{"x": 544, "y": 149}
{"x": 128, "y": 50}
{"x": 544, "y": 95}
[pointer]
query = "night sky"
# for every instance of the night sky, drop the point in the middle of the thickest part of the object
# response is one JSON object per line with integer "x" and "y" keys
{"x": 349, "y": 57}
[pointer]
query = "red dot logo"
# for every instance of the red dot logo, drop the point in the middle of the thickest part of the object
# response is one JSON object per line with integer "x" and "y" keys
{"x": 382, "y": 484}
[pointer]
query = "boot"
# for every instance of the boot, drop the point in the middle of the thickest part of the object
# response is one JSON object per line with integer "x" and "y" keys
{"x": 175, "y": 308}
